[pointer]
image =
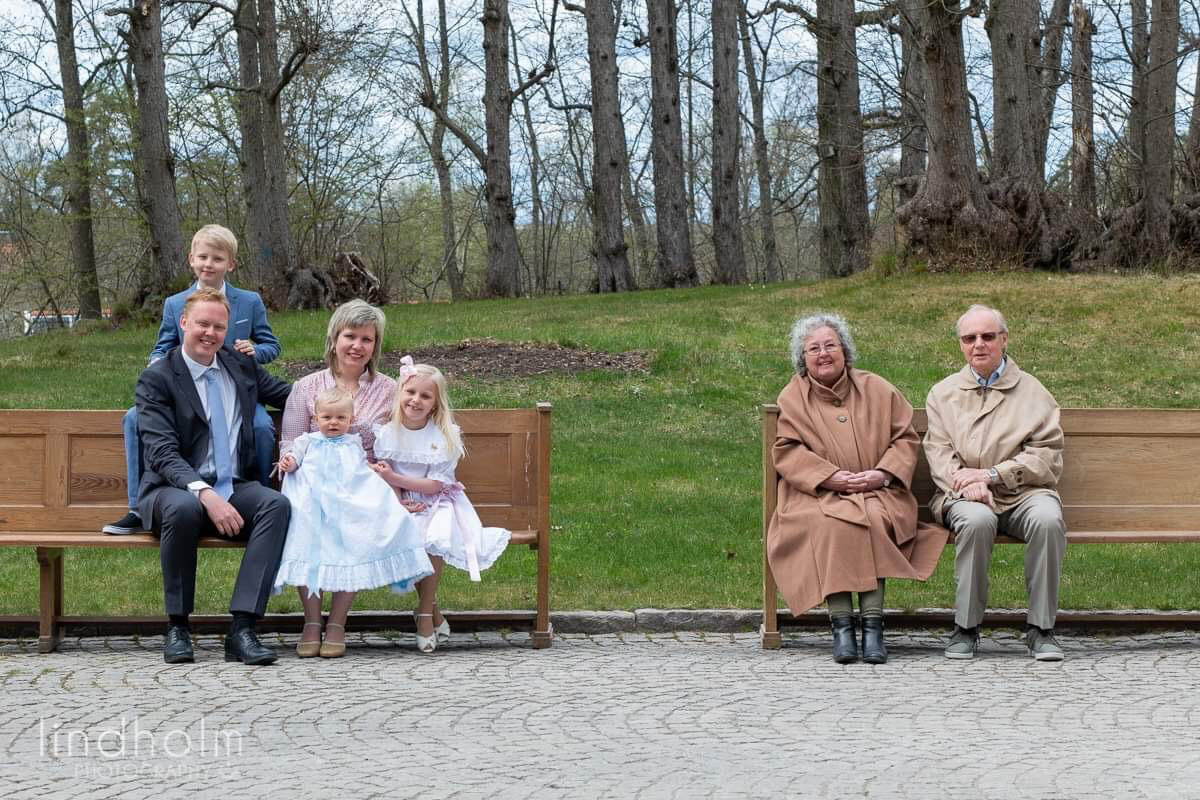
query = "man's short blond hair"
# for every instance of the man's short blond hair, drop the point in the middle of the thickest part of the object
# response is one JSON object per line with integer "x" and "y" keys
{"x": 204, "y": 295}
{"x": 218, "y": 236}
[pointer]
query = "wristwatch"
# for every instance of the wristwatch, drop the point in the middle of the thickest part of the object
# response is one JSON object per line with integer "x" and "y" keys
{"x": 993, "y": 475}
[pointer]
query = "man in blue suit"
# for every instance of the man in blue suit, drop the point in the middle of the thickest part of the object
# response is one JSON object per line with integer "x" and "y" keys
{"x": 212, "y": 257}
{"x": 195, "y": 407}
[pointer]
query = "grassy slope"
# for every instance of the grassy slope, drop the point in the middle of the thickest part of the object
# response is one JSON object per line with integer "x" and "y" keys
{"x": 655, "y": 477}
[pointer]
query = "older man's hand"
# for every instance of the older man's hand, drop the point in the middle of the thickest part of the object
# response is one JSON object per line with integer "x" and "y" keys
{"x": 966, "y": 475}
{"x": 979, "y": 493}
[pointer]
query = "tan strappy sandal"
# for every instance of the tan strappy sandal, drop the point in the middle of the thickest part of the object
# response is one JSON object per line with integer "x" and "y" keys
{"x": 333, "y": 649}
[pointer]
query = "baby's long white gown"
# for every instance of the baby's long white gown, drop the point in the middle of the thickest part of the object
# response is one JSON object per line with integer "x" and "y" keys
{"x": 348, "y": 530}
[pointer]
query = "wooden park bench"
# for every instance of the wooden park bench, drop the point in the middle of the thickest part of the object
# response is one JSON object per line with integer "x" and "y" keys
{"x": 1129, "y": 475}
{"x": 64, "y": 478}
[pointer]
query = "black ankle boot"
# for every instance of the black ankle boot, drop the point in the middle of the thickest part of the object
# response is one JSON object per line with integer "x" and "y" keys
{"x": 845, "y": 642}
{"x": 874, "y": 651}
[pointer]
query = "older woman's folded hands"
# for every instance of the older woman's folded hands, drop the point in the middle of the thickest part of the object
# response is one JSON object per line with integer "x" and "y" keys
{"x": 847, "y": 482}
{"x": 868, "y": 480}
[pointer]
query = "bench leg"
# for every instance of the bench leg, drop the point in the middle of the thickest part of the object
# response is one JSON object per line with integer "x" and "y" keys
{"x": 769, "y": 631}
{"x": 543, "y": 634}
{"x": 50, "y": 607}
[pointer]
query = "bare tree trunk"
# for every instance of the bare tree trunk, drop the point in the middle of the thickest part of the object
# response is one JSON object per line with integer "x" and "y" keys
{"x": 279, "y": 261}
{"x": 691, "y": 113}
{"x": 250, "y": 154}
{"x": 762, "y": 163}
{"x": 913, "y": 145}
{"x": 1191, "y": 157}
{"x": 951, "y": 217}
{"x": 1160, "y": 126}
{"x": 613, "y": 273}
{"x": 79, "y": 174}
{"x": 153, "y": 150}
{"x": 841, "y": 177}
{"x": 644, "y": 250}
{"x": 503, "y": 276}
{"x": 436, "y": 143}
{"x": 730, "y": 255}
{"x": 1016, "y": 179}
{"x": 1050, "y": 77}
{"x": 441, "y": 166}
{"x": 537, "y": 229}
{"x": 1011, "y": 26}
{"x": 674, "y": 265}
{"x": 1140, "y": 98}
{"x": 1083, "y": 149}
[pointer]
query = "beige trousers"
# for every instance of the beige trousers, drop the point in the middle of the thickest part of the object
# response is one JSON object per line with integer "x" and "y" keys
{"x": 1037, "y": 521}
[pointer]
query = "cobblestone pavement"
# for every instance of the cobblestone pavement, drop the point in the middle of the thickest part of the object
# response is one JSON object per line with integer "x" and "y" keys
{"x": 617, "y": 715}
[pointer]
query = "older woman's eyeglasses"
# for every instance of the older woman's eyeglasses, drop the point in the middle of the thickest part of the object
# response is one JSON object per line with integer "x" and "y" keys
{"x": 817, "y": 349}
{"x": 987, "y": 336}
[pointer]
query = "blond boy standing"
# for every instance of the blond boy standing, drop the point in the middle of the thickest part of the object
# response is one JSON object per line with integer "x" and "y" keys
{"x": 212, "y": 257}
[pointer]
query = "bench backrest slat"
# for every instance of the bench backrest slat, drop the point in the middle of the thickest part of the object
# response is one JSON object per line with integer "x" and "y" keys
{"x": 1123, "y": 469}
{"x": 65, "y": 470}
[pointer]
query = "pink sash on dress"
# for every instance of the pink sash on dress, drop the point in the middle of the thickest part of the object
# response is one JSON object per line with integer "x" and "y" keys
{"x": 450, "y": 508}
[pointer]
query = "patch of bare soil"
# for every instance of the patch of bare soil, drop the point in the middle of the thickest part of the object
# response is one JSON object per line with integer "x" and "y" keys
{"x": 490, "y": 359}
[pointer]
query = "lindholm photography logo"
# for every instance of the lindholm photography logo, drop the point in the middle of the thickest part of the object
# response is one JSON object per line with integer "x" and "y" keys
{"x": 130, "y": 748}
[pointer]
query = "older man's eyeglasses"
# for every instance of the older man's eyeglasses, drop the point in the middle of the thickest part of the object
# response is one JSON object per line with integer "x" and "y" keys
{"x": 817, "y": 349}
{"x": 987, "y": 336}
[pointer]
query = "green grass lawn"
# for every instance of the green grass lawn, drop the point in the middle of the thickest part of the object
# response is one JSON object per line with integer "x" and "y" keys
{"x": 655, "y": 487}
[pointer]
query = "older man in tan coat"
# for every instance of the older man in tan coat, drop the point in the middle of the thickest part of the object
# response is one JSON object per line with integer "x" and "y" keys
{"x": 994, "y": 447}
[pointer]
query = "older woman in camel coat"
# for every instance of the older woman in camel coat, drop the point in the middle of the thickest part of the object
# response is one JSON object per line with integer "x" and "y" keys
{"x": 846, "y": 517}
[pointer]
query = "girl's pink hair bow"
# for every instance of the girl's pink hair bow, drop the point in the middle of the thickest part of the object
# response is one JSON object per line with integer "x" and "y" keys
{"x": 407, "y": 369}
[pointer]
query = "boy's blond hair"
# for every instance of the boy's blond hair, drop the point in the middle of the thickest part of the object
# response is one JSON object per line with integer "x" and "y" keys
{"x": 218, "y": 236}
{"x": 333, "y": 396}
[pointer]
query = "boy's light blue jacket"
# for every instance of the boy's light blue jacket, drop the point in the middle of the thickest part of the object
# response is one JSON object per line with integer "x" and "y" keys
{"x": 247, "y": 320}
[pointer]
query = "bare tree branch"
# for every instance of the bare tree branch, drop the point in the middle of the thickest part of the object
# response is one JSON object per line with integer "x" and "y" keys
{"x": 791, "y": 8}
{"x": 231, "y": 87}
{"x": 877, "y": 16}
{"x": 983, "y": 138}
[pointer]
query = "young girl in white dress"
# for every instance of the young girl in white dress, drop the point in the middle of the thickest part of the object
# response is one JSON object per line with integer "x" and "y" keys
{"x": 417, "y": 452}
{"x": 348, "y": 530}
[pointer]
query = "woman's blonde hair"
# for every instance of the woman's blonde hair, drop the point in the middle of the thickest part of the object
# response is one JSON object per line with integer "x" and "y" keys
{"x": 354, "y": 314}
{"x": 443, "y": 414}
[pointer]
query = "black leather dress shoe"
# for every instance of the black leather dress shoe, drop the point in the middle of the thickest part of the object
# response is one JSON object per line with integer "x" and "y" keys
{"x": 845, "y": 641}
{"x": 244, "y": 646}
{"x": 177, "y": 648}
{"x": 874, "y": 651}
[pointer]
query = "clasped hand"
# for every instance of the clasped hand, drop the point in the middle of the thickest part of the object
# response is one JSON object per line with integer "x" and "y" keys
{"x": 848, "y": 482}
{"x": 979, "y": 493}
{"x": 968, "y": 475}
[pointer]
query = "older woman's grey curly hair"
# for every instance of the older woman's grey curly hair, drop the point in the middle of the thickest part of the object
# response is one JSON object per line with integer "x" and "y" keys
{"x": 804, "y": 327}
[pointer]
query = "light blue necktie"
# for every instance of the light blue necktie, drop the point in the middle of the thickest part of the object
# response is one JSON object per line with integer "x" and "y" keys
{"x": 219, "y": 429}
